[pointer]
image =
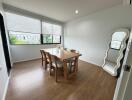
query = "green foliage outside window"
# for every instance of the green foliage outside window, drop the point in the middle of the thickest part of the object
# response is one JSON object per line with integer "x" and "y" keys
{"x": 47, "y": 38}
{"x": 14, "y": 40}
{"x": 24, "y": 39}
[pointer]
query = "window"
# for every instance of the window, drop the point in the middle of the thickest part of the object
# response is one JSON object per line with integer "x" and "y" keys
{"x": 23, "y": 30}
{"x": 51, "y": 33}
{"x": 27, "y": 30}
{"x": 24, "y": 38}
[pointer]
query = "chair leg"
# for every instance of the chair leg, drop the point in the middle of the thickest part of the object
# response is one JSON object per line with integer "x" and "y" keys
{"x": 56, "y": 74}
{"x": 77, "y": 65}
{"x": 42, "y": 61}
{"x": 70, "y": 65}
{"x": 50, "y": 70}
{"x": 45, "y": 65}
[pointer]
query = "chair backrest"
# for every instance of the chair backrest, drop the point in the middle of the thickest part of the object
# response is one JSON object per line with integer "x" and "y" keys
{"x": 52, "y": 58}
{"x": 44, "y": 54}
{"x": 48, "y": 56}
{"x": 41, "y": 51}
{"x": 60, "y": 47}
{"x": 55, "y": 60}
{"x": 67, "y": 49}
{"x": 72, "y": 50}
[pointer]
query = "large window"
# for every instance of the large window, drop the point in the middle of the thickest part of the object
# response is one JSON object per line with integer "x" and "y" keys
{"x": 23, "y": 30}
{"x": 26, "y": 30}
{"x": 51, "y": 33}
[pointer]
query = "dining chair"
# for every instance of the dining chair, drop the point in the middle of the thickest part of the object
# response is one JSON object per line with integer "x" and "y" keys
{"x": 72, "y": 61}
{"x": 55, "y": 64}
{"x": 73, "y": 50}
{"x": 73, "y": 66}
{"x": 44, "y": 58}
{"x": 60, "y": 47}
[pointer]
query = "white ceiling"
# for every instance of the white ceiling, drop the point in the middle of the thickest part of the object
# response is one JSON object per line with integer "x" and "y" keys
{"x": 63, "y": 10}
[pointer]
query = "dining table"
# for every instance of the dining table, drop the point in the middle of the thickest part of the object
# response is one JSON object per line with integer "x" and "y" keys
{"x": 64, "y": 56}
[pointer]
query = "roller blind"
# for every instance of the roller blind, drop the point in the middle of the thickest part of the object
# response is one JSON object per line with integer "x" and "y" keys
{"x": 22, "y": 23}
{"x": 48, "y": 28}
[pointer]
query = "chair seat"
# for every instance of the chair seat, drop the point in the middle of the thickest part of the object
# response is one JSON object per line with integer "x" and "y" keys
{"x": 110, "y": 68}
{"x": 59, "y": 64}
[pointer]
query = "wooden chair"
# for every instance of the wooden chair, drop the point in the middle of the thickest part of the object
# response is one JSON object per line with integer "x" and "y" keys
{"x": 73, "y": 60}
{"x": 70, "y": 62}
{"x": 44, "y": 58}
{"x": 72, "y": 50}
{"x": 60, "y": 47}
{"x": 54, "y": 63}
{"x": 73, "y": 66}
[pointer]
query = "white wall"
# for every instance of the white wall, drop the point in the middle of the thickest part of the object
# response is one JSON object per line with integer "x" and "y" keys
{"x": 26, "y": 52}
{"x": 3, "y": 69}
{"x": 91, "y": 34}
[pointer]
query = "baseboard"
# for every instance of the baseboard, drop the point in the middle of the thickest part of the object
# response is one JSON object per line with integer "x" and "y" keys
{"x": 5, "y": 90}
{"x": 26, "y": 60}
{"x": 90, "y": 62}
{"x": 40, "y": 58}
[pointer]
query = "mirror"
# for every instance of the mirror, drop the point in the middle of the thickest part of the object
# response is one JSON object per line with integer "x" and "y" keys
{"x": 114, "y": 53}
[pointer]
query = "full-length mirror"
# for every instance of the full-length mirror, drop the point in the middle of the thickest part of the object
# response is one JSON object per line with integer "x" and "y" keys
{"x": 114, "y": 53}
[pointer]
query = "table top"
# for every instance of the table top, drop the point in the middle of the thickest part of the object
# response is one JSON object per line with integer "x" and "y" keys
{"x": 61, "y": 53}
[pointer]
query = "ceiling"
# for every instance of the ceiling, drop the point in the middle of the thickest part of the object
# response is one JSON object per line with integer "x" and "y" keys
{"x": 63, "y": 10}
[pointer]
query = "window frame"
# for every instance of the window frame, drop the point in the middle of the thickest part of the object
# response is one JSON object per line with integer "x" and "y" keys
{"x": 42, "y": 42}
{"x": 52, "y": 33}
{"x": 22, "y": 32}
{"x": 41, "y": 34}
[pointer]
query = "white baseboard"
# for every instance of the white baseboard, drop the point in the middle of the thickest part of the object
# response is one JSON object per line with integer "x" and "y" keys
{"x": 5, "y": 90}
{"x": 90, "y": 62}
{"x": 26, "y": 60}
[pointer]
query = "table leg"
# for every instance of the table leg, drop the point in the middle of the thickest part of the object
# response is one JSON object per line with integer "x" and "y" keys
{"x": 65, "y": 70}
{"x": 77, "y": 65}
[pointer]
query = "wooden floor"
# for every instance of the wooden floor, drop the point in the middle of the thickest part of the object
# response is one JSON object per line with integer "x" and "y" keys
{"x": 29, "y": 81}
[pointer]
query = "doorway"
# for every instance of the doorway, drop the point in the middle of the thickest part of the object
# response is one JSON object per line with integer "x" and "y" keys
{"x": 5, "y": 44}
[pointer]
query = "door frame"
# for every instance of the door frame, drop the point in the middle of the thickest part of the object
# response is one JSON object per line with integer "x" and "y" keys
{"x": 120, "y": 91}
{"x": 5, "y": 44}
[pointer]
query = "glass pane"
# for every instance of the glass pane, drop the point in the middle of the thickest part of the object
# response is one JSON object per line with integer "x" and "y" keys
{"x": 24, "y": 38}
{"x": 56, "y": 39}
{"x": 47, "y": 38}
{"x": 56, "y": 29}
{"x": 47, "y": 28}
{"x": 23, "y": 24}
{"x": 115, "y": 44}
{"x": 118, "y": 36}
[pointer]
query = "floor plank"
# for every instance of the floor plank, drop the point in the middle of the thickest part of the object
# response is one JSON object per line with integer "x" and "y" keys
{"x": 29, "y": 81}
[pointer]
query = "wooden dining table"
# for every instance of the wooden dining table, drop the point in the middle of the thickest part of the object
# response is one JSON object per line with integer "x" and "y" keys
{"x": 64, "y": 56}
